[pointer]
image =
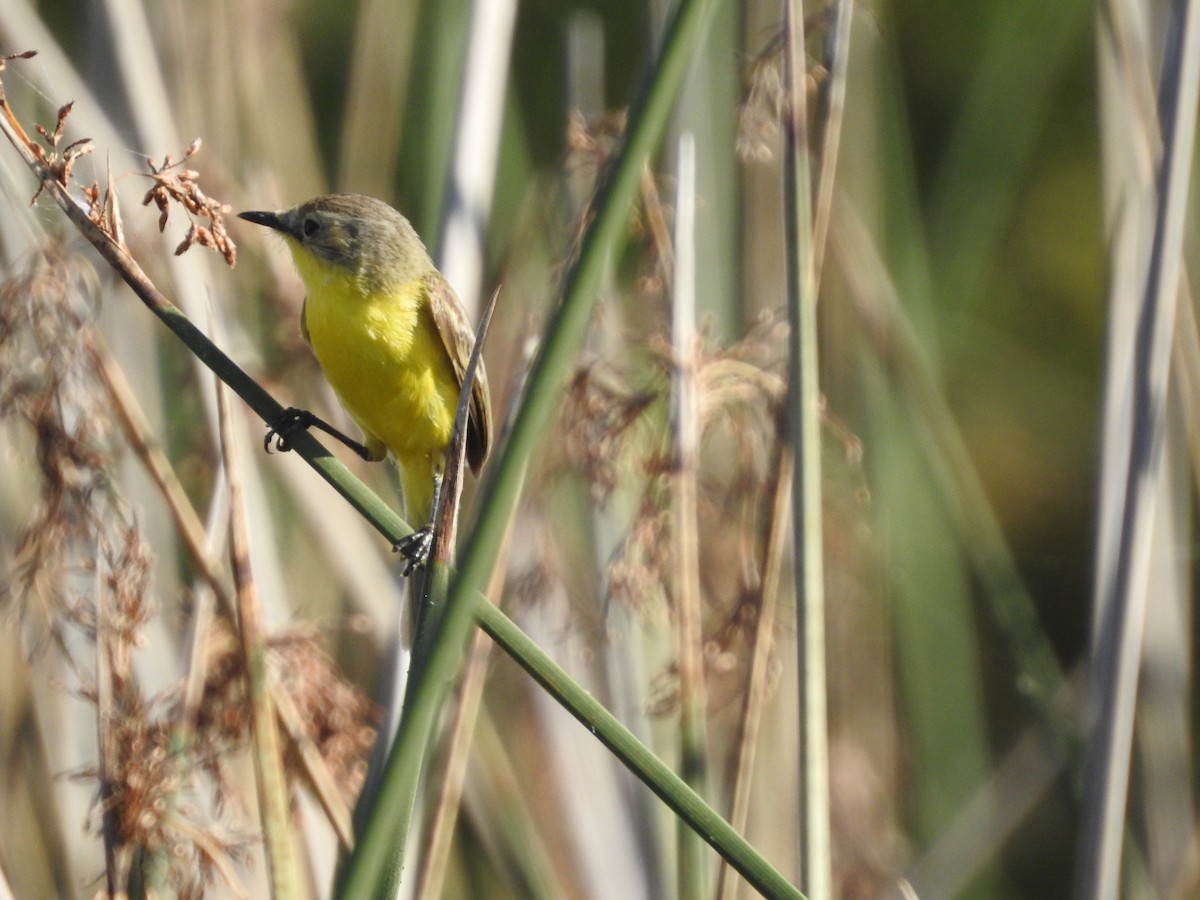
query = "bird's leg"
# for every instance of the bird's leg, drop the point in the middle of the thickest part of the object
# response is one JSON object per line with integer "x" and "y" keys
{"x": 416, "y": 547}
{"x": 293, "y": 420}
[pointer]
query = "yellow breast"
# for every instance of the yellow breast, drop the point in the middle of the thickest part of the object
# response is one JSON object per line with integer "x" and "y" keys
{"x": 385, "y": 360}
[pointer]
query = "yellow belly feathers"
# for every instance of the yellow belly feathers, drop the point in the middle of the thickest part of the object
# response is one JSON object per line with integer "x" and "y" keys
{"x": 386, "y": 362}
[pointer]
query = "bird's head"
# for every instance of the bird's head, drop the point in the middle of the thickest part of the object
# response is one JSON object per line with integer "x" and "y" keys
{"x": 342, "y": 235}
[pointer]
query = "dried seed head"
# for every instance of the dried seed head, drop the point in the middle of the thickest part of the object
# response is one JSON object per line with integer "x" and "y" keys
{"x": 28, "y": 54}
{"x": 182, "y": 186}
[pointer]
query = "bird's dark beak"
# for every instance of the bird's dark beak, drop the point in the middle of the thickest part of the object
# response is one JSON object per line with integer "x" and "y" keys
{"x": 274, "y": 220}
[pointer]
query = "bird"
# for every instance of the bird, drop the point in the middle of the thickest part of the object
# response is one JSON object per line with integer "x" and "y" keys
{"x": 392, "y": 339}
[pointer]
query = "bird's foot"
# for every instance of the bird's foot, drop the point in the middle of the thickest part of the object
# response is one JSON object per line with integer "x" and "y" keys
{"x": 415, "y": 549}
{"x": 288, "y": 423}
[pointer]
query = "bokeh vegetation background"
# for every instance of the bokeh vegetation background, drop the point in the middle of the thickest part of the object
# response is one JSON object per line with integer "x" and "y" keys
{"x": 964, "y": 302}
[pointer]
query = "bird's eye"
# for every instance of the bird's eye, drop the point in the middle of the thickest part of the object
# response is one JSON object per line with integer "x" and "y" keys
{"x": 311, "y": 226}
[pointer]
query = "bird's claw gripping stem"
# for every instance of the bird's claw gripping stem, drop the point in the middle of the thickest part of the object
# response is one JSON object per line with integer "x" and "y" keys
{"x": 288, "y": 423}
{"x": 415, "y": 549}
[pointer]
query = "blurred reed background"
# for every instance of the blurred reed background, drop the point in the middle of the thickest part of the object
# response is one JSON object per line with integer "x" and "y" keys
{"x": 990, "y": 215}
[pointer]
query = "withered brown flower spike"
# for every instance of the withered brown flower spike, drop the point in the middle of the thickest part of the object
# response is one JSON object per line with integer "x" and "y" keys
{"x": 59, "y": 165}
{"x": 172, "y": 184}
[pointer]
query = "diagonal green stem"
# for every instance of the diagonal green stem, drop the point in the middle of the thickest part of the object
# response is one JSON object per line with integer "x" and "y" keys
{"x": 669, "y": 787}
{"x": 389, "y": 823}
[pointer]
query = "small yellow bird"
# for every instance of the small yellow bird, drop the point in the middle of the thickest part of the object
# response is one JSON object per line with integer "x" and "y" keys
{"x": 390, "y": 335}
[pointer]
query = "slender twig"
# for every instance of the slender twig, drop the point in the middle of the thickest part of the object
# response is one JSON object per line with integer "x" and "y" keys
{"x": 268, "y": 762}
{"x": 202, "y": 619}
{"x": 1121, "y": 600}
{"x": 432, "y": 875}
{"x": 804, "y": 432}
{"x": 141, "y": 440}
{"x": 445, "y": 809}
{"x": 445, "y": 512}
{"x": 656, "y": 221}
{"x": 746, "y": 741}
{"x": 833, "y": 108}
{"x": 106, "y": 713}
{"x": 319, "y": 777}
{"x": 693, "y": 737}
{"x": 1185, "y": 370}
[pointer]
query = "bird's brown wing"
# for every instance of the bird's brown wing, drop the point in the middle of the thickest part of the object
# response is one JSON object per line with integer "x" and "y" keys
{"x": 458, "y": 337}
